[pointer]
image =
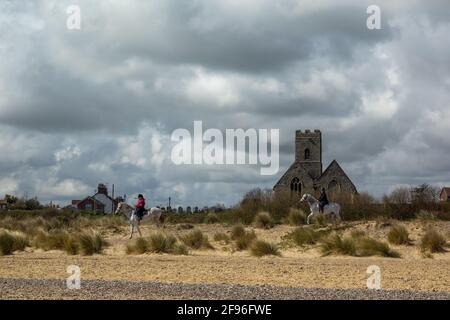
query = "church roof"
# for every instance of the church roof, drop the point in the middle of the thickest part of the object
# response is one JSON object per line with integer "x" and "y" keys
{"x": 297, "y": 166}
{"x": 294, "y": 166}
{"x": 334, "y": 163}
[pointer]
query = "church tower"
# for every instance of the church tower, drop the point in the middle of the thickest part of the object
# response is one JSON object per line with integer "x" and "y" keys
{"x": 308, "y": 151}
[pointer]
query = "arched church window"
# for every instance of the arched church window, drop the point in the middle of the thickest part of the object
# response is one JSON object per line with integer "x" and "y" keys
{"x": 307, "y": 154}
{"x": 296, "y": 185}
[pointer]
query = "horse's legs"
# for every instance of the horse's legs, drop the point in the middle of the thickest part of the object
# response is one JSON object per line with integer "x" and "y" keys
{"x": 309, "y": 218}
{"x": 139, "y": 230}
{"x": 131, "y": 230}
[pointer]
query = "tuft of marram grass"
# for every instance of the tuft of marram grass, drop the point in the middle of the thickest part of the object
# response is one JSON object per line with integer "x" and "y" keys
{"x": 158, "y": 242}
{"x": 371, "y": 247}
{"x": 334, "y": 244}
{"x": 51, "y": 240}
{"x": 180, "y": 249}
{"x": 398, "y": 235}
{"x": 91, "y": 243}
{"x": 195, "y": 239}
{"x": 140, "y": 246}
{"x": 71, "y": 245}
{"x": 221, "y": 236}
{"x": 261, "y": 248}
{"x": 356, "y": 246}
{"x": 263, "y": 220}
{"x": 211, "y": 218}
{"x": 305, "y": 235}
{"x": 161, "y": 243}
{"x": 10, "y": 242}
{"x": 296, "y": 217}
{"x": 245, "y": 240}
{"x": 237, "y": 231}
{"x": 432, "y": 241}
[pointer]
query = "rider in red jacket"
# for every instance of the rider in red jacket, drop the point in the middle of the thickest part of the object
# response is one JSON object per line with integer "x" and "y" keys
{"x": 140, "y": 206}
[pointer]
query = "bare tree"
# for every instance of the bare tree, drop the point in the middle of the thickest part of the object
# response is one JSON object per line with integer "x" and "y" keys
{"x": 400, "y": 195}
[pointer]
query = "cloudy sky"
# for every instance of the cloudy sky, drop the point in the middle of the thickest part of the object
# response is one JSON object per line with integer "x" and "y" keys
{"x": 78, "y": 107}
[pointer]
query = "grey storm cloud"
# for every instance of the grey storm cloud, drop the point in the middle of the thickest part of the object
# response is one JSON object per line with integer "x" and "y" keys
{"x": 78, "y": 107}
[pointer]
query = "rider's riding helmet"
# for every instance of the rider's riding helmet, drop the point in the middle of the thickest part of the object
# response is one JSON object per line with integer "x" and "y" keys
{"x": 140, "y": 196}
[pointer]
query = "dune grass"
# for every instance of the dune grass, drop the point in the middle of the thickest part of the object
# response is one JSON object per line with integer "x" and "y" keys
{"x": 157, "y": 242}
{"x": 10, "y": 242}
{"x": 195, "y": 239}
{"x": 296, "y": 217}
{"x": 261, "y": 248}
{"x": 237, "y": 231}
{"x": 335, "y": 244}
{"x": 86, "y": 243}
{"x": 263, "y": 220}
{"x": 357, "y": 246}
{"x": 91, "y": 243}
{"x": 432, "y": 241}
{"x": 302, "y": 236}
{"x": 221, "y": 236}
{"x": 54, "y": 240}
{"x": 398, "y": 235}
{"x": 140, "y": 246}
{"x": 245, "y": 240}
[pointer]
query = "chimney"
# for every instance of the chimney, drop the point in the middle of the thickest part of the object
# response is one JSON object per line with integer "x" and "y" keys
{"x": 102, "y": 189}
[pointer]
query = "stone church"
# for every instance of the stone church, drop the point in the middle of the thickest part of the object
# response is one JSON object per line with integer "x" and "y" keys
{"x": 305, "y": 175}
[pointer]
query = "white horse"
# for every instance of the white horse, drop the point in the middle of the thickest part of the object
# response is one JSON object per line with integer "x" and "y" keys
{"x": 330, "y": 209}
{"x": 133, "y": 219}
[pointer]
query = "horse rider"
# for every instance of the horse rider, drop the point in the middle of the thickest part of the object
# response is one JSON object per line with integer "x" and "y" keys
{"x": 323, "y": 200}
{"x": 140, "y": 206}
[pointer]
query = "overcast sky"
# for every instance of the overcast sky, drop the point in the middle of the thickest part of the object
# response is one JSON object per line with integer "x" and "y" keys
{"x": 78, "y": 107}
